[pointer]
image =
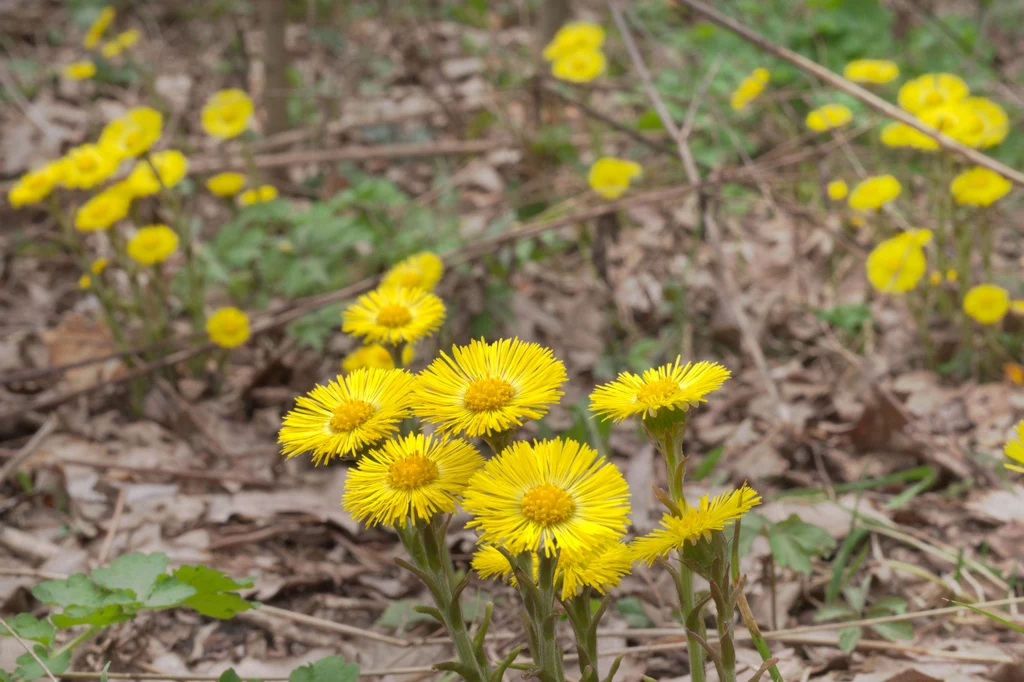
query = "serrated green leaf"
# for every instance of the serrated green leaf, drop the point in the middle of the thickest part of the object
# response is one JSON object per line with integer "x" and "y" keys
{"x": 794, "y": 543}
{"x": 330, "y": 669}
{"x": 633, "y": 610}
{"x": 29, "y": 669}
{"x": 27, "y": 626}
{"x": 136, "y": 572}
{"x": 169, "y": 591}
{"x": 79, "y": 590}
{"x": 899, "y": 630}
{"x": 848, "y": 638}
{"x": 91, "y": 615}
{"x": 214, "y": 595}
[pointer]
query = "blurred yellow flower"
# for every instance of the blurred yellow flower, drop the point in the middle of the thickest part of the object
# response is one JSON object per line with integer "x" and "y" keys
{"x": 994, "y": 123}
{"x": 581, "y": 66}
{"x": 135, "y": 132}
{"x": 171, "y": 165}
{"x": 874, "y": 192}
{"x": 902, "y": 135}
{"x": 876, "y": 71}
{"x": 610, "y": 177}
{"x": 935, "y": 278}
{"x": 761, "y": 74}
{"x": 34, "y": 186}
{"x": 257, "y": 195}
{"x": 85, "y": 282}
{"x": 103, "y": 210}
{"x": 152, "y": 244}
{"x": 98, "y": 266}
{"x": 574, "y": 37}
{"x": 120, "y": 43}
{"x": 422, "y": 270}
{"x": 228, "y": 327}
{"x": 88, "y": 165}
{"x": 828, "y": 117}
{"x": 98, "y": 28}
{"x": 956, "y": 120}
{"x": 952, "y": 275}
{"x": 394, "y": 315}
{"x": 1014, "y": 373}
{"x": 749, "y": 88}
{"x": 371, "y": 355}
{"x": 931, "y": 90}
{"x": 987, "y": 303}
{"x": 837, "y": 190}
{"x": 979, "y": 186}
{"x": 226, "y": 184}
{"x": 897, "y": 264}
{"x": 1014, "y": 450}
{"x": 227, "y": 114}
{"x": 79, "y": 71}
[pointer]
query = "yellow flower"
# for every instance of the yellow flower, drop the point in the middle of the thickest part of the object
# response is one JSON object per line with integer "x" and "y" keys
{"x": 227, "y": 113}
{"x": 935, "y": 278}
{"x": 85, "y": 282}
{"x": 956, "y": 120}
{"x": 902, "y": 135}
{"x": 103, "y": 210}
{"x": 413, "y": 477}
{"x": 696, "y": 522}
{"x": 581, "y": 66}
{"x": 994, "y": 122}
{"x": 226, "y": 184}
{"x": 394, "y": 315}
{"x": 952, "y": 275}
{"x": 672, "y": 386}
{"x": 828, "y": 117}
{"x": 1014, "y": 374}
{"x": 874, "y": 192}
{"x": 549, "y": 495}
{"x": 88, "y": 165}
{"x": 152, "y": 244}
{"x": 1015, "y": 450}
{"x": 876, "y": 71}
{"x": 372, "y": 355}
{"x": 979, "y": 187}
{"x": 486, "y": 388}
{"x": 347, "y": 415}
{"x": 489, "y": 562}
{"x": 749, "y": 88}
{"x": 257, "y": 195}
{"x": 228, "y": 327}
{"x": 171, "y": 165}
{"x": 600, "y": 567}
{"x": 34, "y": 186}
{"x": 987, "y": 303}
{"x": 98, "y": 28}
{"x": 610, "y": 177}
{"x": 837, "y": 190}
{"x": 135, "y": 132}
{"x": 574, "y": 37}
{"x": 761, "y": 74}
{"x": 79, "y": 71}
{"x": 421, "y": 270}
{"x": 896, "y": 265}
{"x": 931, "y": 90}
{"x": 99, "y": 265}
{"x": 120, "y": 43}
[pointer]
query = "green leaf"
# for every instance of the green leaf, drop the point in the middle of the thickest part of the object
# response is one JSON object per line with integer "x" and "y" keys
{"x": 794, "y": 543}
{"x": 91, "y": 615}
{"x": 5, "y": 676}
{"x": 27, "y": 626}
{"x": 899, "y": 630}
{"x": 79, "y": 590}
{"x": 633, "y": 609}
{"x": 834, "y": 612}
{"x": 400, "y": 613}
{"x": 229, "y": 675}
{"x": 29, "y": 669}
{"x": 330, "y": 669}
{"x": 215, "y": 592}
{"x": 169, "y": 591}
{"x": 136, "y": 572}
{"x": 848, "y": 638}
{"x": 887, "y": 606}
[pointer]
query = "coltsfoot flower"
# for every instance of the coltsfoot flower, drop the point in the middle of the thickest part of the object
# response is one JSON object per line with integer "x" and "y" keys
{"x": 610, "y": 177}
{"x": 874, "y": 192}
{"x": 669, "y": 387}
{"x": 600, "y": 568}
{"x": 171, "y": 166}
{"x": 548, "y": 496}
{"x": 409, "y": 478}
{"x": 979, "y": 186}
{"x": 897, "y": 264}
{"x": 421, "y": 270}
{"x": 749, "y": 89}
{"x": 574, "y": 36}
{"x": 228, "y": 327}
{"x": 36, "y": 185}
{"x": 828, "y": 117}
{"x": 152, "y": 244}
{"x": 837, "y": 190}
{"x": 487, "y": 388}
{"x": 98, "y": 28}
{"x": 103, "y": 210}
{"x": 121, "y": 42}
{"x": 992, "y": 118}
{"x": 955, "y": 120}
{"x": 257, "y": 195}
{"x": 987, "y": 303}
{"x": 79, "y": 71}
{"x": 227, "y": 114}
{"x": 877, "y": 71}
{"x": 134, "y": 132}
{"x": 1015, "y": 450}
{"x": 347, "y": 415}
{"x": 901, "y": 135}
{"x": 581, "y": 66}
{"x": 88, "y": 165}
{"x": 226, "y": 184}
{"x": 931, "y": 90}
{"x": 394, "y": 315}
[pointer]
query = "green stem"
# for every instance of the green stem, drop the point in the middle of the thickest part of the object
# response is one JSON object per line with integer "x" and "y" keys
{"x": 684, "y": 586}
{"x": 760, "y": 643}
{"x": 577, "y": 608}
{"x": 548, "y": 654}
{"x": 79, "y": 639}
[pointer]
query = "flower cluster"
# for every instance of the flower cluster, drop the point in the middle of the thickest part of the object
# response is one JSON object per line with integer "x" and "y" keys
{"x": 110, "y": 49}
{"x": 575, "y": 52}
{"x": 749, "y": 88}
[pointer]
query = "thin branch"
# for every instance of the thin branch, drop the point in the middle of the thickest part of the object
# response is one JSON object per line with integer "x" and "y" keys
{"x": 30, "y": 447}
{"x": 108, "y": 541}
{"x": 29, "y": 649}
{"x": 331, "y": 626}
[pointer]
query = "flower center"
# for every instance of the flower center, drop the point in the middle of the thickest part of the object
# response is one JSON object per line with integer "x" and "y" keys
{"x": 656, "y": 391}
{"x": 488, "y": 394}
{"x": 415, "y": 471}
{"x": 350, "y": 415}
{"x": 394, "y": 315}
{"x": 547, "y": 504}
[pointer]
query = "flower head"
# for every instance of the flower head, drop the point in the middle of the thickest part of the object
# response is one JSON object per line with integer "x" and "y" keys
{"x": 979, "y": 186}
{"x": 987, "y": 303}
{"x": 486, "y": 388}
{"x": 901, "y": 135}
{"x": 600, "y": 567}
{"x": 98, "y": 266}
{"x": 828, "y": 117}
{"x": 1014, "y": 373}
{"x": 931, "y": 90}
{"x": 413, "y": 477}
{"x": 992, "y": 118}
{"x": 749, "y": 88}
{"x": 549, "y": 495}
{"x": 421, "y": 270}
{"x": 955, "y": 120}
{"x": 152, "y": 244}
{"x": 226, "y": 184}
{"x": 672, "y": 386}
{"x": 227, "y": 114}
{"x": 581, "y": 66}
{"x": 257, "y": 195}
{"x": 371, "y": 355}
{"x": 34, "y": 186}
{"x": 1015, "y": 449}
{"x": 610, "y": 177}
{"x": 837, "y": 190}
{"x": 874, "y": 192}
{"x": 876, "y": 71}
{"x": 135, "y": 132}
{"x": 120, "y": 43}
{"x": 171, "y": 166}
{"x": 694, "y": 523}
{"x": 347, "y": 415}
{"x": 228, "y": 327}
{"x": 575, "y": 36}
{"x": 394, "y": 315}
{"x": 935, "y": 278}
{"x": 98, "y": 28}
{"x": 897, "y": 264}
{"x": 79, "y": 71}
{"x": 103, "y": 210}
{"x": 489, "y": 562}
{"x": 85, "y": 282}
{"x": 88, "y": 165}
